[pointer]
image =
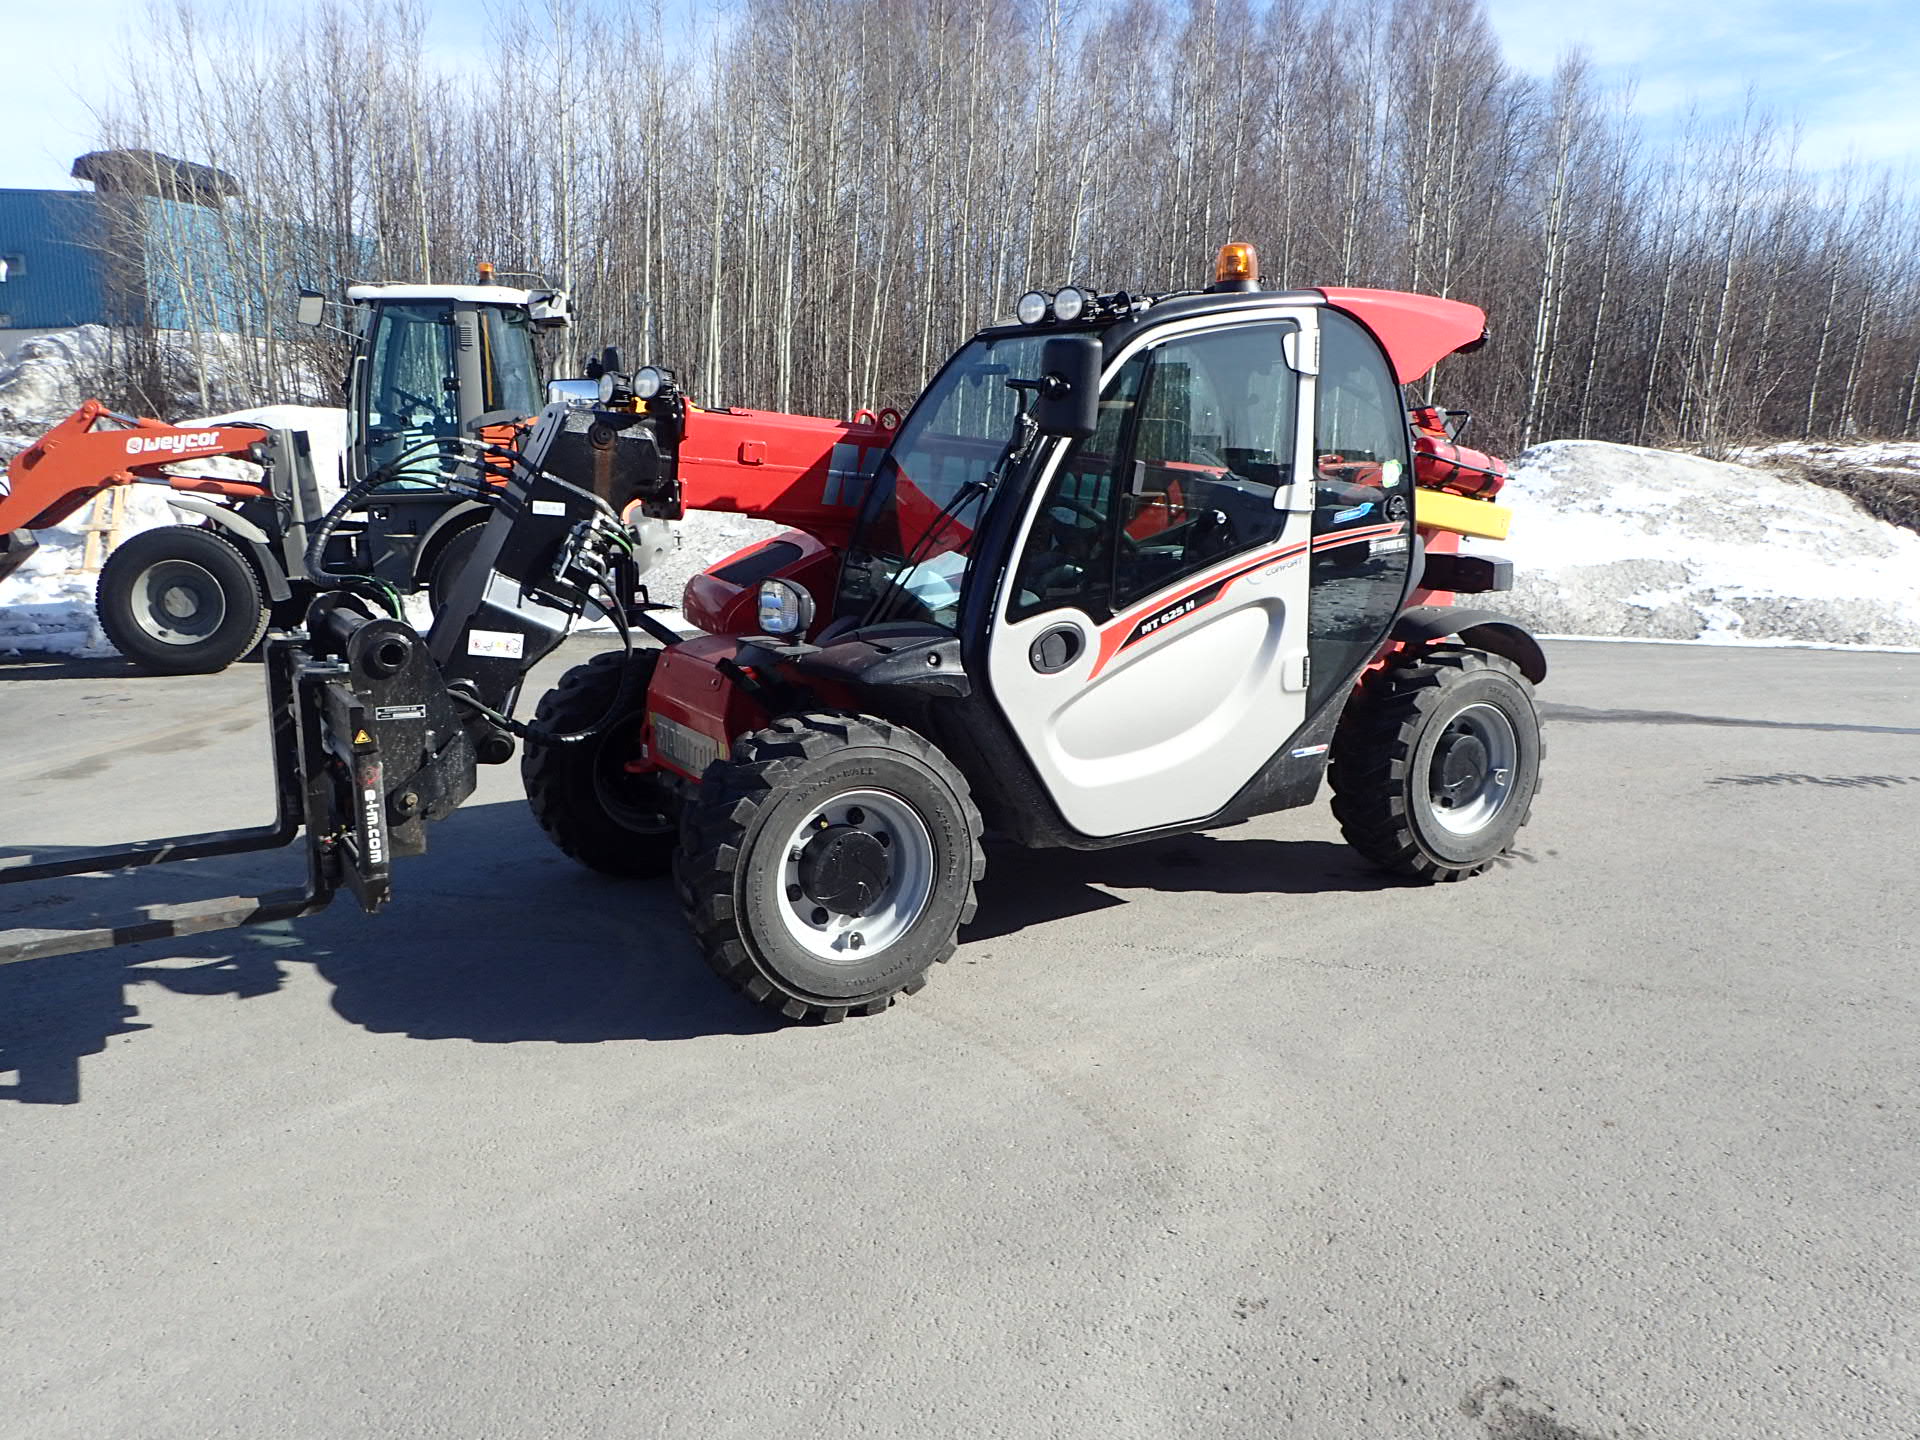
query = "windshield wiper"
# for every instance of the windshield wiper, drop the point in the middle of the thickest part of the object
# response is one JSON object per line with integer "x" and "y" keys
{"x": 1025, "y": 432}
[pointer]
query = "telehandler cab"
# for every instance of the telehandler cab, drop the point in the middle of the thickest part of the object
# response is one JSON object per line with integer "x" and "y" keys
{"x": 1132, "y": 566}
{"x": 431, "y": 364}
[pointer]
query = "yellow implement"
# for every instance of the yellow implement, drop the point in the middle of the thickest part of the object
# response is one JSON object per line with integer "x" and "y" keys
{"x": 1438, "y": 510}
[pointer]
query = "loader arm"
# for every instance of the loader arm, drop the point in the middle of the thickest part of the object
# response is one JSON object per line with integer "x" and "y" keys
{"x": 94, "y": 449}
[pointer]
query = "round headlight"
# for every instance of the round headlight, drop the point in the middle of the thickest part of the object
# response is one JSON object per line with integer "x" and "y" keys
{"x": 785, "y": 608}
{"x": 609, "y": 382}
{"x": 647, "y": 382}
{"x": 1070, "y": 303}
{"x": 1032, "y": 308}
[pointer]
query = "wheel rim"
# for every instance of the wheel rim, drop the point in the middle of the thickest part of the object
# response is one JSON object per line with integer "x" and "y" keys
{"x": 856, "y": 875}
{"x": 1470, "y": 778}
{"x": 633, "y": 801}
{"x": 178, "y": 602}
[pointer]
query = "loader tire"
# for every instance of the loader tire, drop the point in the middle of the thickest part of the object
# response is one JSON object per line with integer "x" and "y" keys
{"x": 448, "y": 564}
{"x": 1436, "y": 763}
{"x": 591, "y": 806}
{"x": 829, "y": 863}
{"x": 180, "y": 600}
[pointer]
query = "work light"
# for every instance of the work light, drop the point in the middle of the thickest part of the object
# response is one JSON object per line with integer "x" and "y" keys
{"x": 647, "y": 382}
{"x": 785, "y": 608}
{"x": 1070, "y": 303}
{"x": 1032, "y": 308}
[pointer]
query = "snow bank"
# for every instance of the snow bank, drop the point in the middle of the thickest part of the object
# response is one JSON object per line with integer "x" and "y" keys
{"x": 1619, "y": 541}
{"x": 45, "y": 380}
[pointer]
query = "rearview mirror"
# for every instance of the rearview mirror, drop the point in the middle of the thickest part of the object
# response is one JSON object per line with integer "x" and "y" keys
{"x": 574, "y": 394}
{"x": 312, "y": 308}
{"x": 1067, "y": 399}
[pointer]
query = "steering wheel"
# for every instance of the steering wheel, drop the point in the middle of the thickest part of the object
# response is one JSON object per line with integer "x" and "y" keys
{"x": 1096, "y": 518}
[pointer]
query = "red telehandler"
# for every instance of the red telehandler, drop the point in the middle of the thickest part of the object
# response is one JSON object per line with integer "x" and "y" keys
{"x": 431, "y": 364}
{"x": 1132, "y": 566}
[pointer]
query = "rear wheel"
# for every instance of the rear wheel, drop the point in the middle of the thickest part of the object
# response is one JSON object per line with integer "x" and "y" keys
{"x": 829, "y": 863}
{"x": 1436, "y": 763}
{"x": 609, "y": 818}
{"x": 180, "y": 600}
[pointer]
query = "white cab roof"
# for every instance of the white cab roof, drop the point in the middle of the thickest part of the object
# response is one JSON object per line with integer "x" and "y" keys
{"x": 476, "y": 294}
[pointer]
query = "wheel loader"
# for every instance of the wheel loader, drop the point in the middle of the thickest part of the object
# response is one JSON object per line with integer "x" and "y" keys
{"x": 1133, "y": 565}
{"x": 431, "y": 364}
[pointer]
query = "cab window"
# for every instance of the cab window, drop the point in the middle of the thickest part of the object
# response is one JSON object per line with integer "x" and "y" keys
{"x": 1362, "y": 486}
{"x": 510, "y": 373}
{"x": 1194, "y": 449}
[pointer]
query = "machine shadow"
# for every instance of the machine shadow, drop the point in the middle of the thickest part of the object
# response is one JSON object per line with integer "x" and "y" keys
{"x": 1027, "y": 887}
{"x": 15, "y": 668}
{"x": 494, "y": 938}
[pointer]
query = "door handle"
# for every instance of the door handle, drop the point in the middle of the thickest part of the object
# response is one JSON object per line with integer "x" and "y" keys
{"x": 1055, "y": 649}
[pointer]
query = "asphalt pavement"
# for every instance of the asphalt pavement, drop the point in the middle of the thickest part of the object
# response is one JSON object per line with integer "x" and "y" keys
{"x": 1217, "y": 1136}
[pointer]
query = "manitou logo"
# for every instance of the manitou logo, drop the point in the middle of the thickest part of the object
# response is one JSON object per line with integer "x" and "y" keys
{"x": 186, "y": 442}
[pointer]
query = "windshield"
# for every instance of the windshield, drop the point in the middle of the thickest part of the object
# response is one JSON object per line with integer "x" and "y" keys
{"x": 413, "y": 381}
{"x": 921, "y": 504}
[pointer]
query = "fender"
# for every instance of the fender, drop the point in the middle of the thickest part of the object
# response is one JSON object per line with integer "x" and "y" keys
{"x": 272, "y": 574}
{"x": 1487, "y": 629}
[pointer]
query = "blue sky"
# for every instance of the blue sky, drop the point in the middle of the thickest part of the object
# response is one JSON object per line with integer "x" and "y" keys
{"x": 1847, "y": 68}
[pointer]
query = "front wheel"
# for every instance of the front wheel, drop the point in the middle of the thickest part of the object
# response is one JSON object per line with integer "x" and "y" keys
{"x": 180, "y": 600}
{"x": 609, "y": 818}
{"x": 829, "y": 862}
{"x": 1435, "y": 764}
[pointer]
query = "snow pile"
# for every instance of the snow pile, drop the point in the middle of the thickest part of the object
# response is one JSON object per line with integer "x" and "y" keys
{"x": 45, "y": 381}
{"x": 1618, "y": 541}
{"x": 326, "y": 428}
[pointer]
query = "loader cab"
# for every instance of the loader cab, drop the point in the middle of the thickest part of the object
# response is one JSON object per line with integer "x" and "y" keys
{"x": 1155, "y": 611}
{"x": 435, "y": 364}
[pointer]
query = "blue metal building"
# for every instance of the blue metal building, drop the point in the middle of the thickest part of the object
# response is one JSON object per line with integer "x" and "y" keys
{"x": 50, "y": 242}
{"x": 155, "y": 242}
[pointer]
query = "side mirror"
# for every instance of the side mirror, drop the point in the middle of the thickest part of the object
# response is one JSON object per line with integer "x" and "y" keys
{"x": 1067, "y": 399}
{"x": 312, "y": 308}
{"x": 574, "y": 394}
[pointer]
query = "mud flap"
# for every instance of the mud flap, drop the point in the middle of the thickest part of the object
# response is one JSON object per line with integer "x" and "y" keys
{"x": 15, "y": 549}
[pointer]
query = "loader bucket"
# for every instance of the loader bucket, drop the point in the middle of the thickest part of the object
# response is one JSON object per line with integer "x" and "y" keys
{"x": 14, "y": 550}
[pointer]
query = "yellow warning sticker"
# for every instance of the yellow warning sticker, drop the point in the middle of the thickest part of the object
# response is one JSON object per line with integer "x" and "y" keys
{"x": 360, "y": 737}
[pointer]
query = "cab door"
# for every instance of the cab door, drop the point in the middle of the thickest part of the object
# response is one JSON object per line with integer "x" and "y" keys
{"x": 1149, "y": 643}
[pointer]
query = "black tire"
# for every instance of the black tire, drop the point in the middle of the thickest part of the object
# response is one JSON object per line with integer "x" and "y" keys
{"x": 735, "y": 868}
{"x": 180, "y": 600}
{"x": 590, "y": 805}
{"x": 1416, "y": 762}
{"x": 447, "y": 565}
